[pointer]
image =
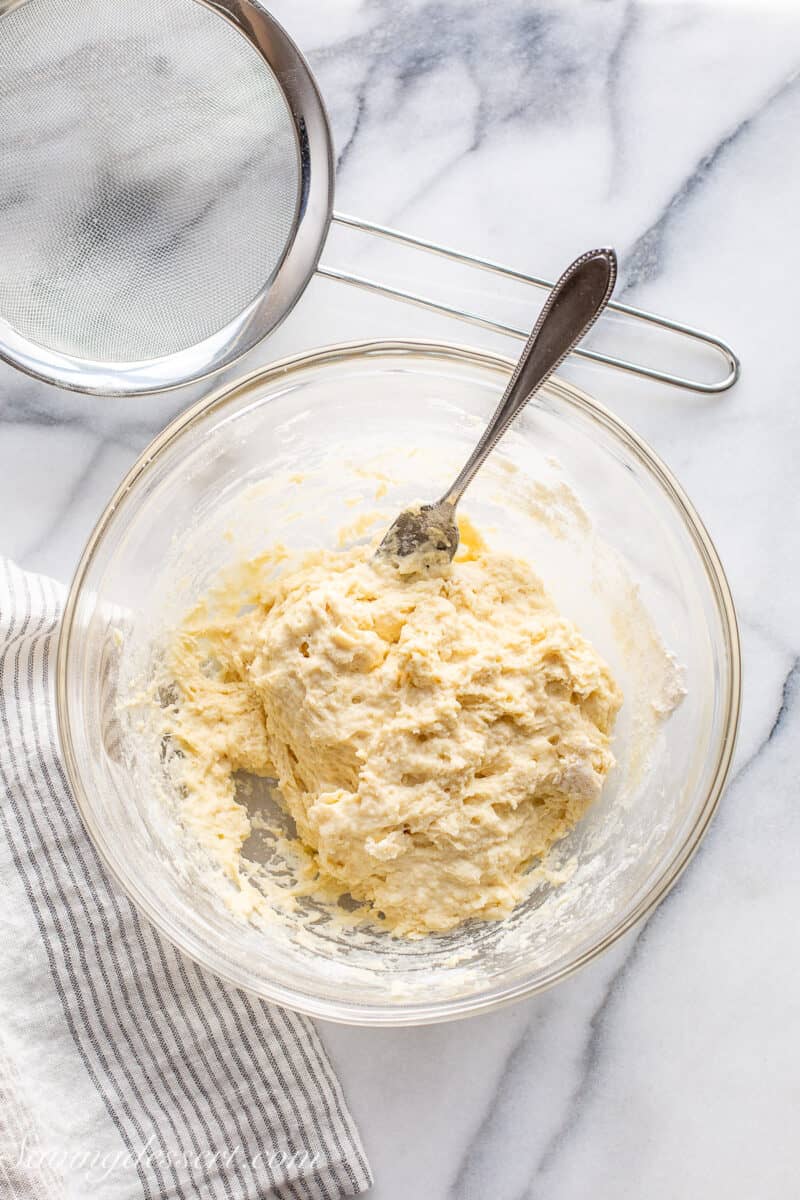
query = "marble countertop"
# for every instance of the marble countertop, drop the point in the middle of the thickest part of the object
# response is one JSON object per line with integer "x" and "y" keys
{"x": 526, "y": 131}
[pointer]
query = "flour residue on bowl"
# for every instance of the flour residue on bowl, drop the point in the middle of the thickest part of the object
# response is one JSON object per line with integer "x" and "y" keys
{"x": 280, "y": 883}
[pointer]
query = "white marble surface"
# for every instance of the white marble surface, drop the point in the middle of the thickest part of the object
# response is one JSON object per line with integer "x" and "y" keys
{"x": 527, "y": 131}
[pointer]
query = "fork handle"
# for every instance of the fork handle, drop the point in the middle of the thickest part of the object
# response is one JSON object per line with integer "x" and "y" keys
{"x": 572, "y": 307}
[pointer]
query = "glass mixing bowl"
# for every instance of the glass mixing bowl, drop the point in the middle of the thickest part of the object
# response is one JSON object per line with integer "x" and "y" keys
{"x": 293, "y": 453}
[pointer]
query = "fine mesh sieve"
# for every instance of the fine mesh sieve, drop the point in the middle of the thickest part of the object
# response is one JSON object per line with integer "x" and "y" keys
{"x": 166, "y": 190}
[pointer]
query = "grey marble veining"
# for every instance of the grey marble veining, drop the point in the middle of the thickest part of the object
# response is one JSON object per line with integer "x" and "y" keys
{"x": 527, "y": 131}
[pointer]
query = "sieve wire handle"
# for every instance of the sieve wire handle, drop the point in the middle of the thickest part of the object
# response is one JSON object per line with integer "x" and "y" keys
{"x": 716, "y": 345}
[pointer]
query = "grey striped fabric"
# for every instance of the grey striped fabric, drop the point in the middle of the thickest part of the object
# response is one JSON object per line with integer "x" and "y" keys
{"x": 184, "y": 1086}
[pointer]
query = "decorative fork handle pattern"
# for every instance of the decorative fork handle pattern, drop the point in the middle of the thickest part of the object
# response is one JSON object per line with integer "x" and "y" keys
{"x": 573, "y": 306}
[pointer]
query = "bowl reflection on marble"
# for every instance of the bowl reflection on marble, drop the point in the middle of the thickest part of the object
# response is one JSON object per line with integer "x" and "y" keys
{"x": 346, "y": 437}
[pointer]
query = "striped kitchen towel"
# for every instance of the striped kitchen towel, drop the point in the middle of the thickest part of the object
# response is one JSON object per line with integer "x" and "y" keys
{"x": 126, "y": 1072}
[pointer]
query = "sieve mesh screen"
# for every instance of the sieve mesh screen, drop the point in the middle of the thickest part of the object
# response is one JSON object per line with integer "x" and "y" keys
{"x": 150, "y": 175}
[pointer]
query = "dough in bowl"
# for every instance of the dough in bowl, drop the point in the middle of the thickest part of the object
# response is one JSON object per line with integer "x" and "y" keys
{"x": 432, "y": 735}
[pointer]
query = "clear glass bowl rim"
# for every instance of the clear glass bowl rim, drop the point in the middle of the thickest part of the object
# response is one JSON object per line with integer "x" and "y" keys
{"x": 443, "y": 1010}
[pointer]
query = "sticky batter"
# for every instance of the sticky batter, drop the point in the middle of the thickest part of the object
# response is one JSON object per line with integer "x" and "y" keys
{"x": 432, "y": 736}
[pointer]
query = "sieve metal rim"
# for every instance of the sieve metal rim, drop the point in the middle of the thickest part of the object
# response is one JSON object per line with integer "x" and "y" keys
{"x": 301, "y": 259}
{"x": 279, "y": 293}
